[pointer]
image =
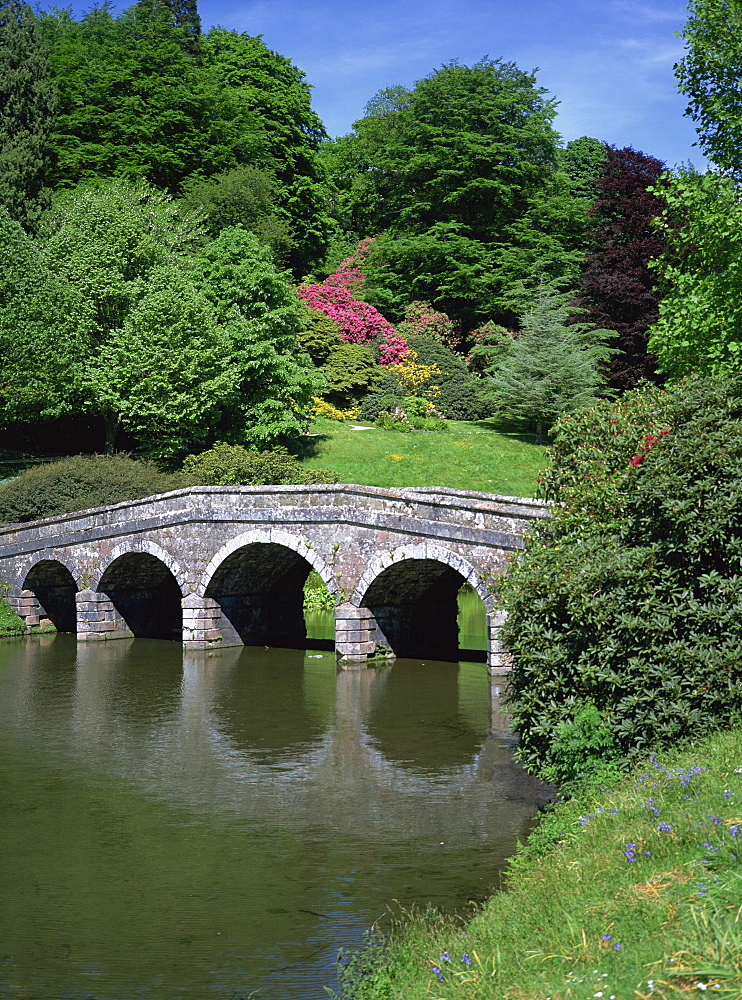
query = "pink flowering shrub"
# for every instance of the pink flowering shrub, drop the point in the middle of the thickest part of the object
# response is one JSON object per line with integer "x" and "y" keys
{"x": 422, "y": 319}
{"x": 358, "y": 322}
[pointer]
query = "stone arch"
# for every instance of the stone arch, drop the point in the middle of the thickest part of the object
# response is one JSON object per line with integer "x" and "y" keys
{"x": 267, "y": 536}
{"x": 424, "y": 550}
{"x": 141, "y": 545}
{"x": 48, "y": 591}
{"x": 256, "y": 581}
{"x": 145, "y": 586}
{"x": 412, "y": 594}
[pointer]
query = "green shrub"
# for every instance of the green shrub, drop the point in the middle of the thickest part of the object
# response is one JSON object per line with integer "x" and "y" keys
{"x": 375, "y": 403}
{"x": 79, "y": 483}
{"x": 233, "y": 465}
{"x": 461, "y": 396}
{"x": 351, "y": 372}
{"x": 629, "y": 597}
{"x": 319, "y": 335}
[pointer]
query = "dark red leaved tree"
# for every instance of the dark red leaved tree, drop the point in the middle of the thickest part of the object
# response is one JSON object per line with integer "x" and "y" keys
{"x": 616, "y": 286}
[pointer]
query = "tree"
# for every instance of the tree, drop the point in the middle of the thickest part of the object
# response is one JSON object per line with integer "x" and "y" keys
{"x": 262, "y": 317}
{"x": 107, "y": 243}
{"x": 165, "y": 373}
{"x": 700, "y": 316}
{"x": 709, "y": 75}
{"x": 444, "y": 170}
{"x": 133, "y": 101}
{"x": 617, "y": 286}
{"x": 551, "y": 367}
{"x": 27, "y": 108}
{"x": 548, "y": 243}
{"x": 269, "y": 91}
{"x": 45, "y": 329}
{"x": 242, "y": 196}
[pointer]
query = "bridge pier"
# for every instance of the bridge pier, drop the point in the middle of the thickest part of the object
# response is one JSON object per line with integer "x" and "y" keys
{"x": 498, "y": 657}
{"x": 356, "y": 634}
{"x": 97, "y": 619}
{"x": 201, "y": 618}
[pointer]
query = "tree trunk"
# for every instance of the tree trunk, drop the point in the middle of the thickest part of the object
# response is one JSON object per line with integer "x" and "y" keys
{"x": 111, "y": 422}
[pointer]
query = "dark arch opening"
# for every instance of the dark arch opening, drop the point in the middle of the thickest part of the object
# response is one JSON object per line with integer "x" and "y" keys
{"x": 55, "y": 589}
{"x": 145, "y": 595}
{"x": 415, "y": 604}
{"x": 260, "y": 590}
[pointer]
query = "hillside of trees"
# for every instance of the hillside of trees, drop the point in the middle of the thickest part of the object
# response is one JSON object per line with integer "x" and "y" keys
{"x": 189, "y": 257}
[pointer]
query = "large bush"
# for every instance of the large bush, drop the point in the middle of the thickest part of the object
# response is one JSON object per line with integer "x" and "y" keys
{"x": 79, "y": 483}
{"x": 629, "y": 597}
{"x": 233, "y": 465}
{"x": 460, "y": 395}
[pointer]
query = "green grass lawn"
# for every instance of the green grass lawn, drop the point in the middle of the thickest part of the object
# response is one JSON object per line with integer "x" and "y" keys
{"x": 624, "y": 893}
{"x": 479, "y": 455}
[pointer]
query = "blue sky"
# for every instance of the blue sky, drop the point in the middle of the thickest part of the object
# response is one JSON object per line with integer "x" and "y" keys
{"x": 608, "y": 62}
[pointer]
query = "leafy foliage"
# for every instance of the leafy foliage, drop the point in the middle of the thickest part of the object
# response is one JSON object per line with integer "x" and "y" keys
{"x": 242, "y": 196}
{"x": 232, "y": 465}
{"x": 617, "y": 287}
{"x": 282, "y": 136}
{"x": 350, "y": 371}
{"x": 460, "y": 396}
{"x": 628, "y": 596}
{"x": 79, "y": 483}
{"x": 133, "y": 101}
{"x": 319, "y": 335}
{"x": 551, "y": 366}
{"x": 700, "y": 317}
{"x": 27, "y": 109}
{"x": 44, "y": 333}
{"x": 709, "y": 76}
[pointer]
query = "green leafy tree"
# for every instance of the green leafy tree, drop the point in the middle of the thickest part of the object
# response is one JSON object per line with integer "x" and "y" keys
{"x": 700, "y": 316}
{"x": 27, "y": 109}
{"x": 133, "y": 101}
{"x": 269, "y": 91}
{"x": 45, "y": 327}
{"x": 259, "y": 310}
{"x": 242, "y": 196}
{"x": 165, "y": 373}
{"x": 551, "y": 367}
{"x": 444, "y": 170}
{"x": 709, "y": 76}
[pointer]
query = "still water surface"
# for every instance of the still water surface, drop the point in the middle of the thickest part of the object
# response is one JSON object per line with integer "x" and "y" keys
{"x": 215, "y": 826}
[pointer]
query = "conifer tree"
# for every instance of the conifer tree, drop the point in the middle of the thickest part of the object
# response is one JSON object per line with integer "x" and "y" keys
{"x": 552, "y": 367}
{"x": 27, "y": 104}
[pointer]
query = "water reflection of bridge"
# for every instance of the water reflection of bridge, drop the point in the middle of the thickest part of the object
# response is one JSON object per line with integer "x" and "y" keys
{"x": 216, "y": 566}
{"x": 275, "y": 734}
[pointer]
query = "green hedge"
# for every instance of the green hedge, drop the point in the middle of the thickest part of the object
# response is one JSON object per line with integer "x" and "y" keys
{"x": 629, "y": 598}
{"x": 233, "y": 465}
{"x": 79, "y": 483}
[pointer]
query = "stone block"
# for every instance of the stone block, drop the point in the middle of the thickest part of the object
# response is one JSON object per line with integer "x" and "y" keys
{"x": 355, "y": 648}
{"x": 357, "y": 635}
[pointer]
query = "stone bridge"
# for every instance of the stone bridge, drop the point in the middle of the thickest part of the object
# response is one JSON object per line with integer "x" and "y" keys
{"x": 211, "y": 566}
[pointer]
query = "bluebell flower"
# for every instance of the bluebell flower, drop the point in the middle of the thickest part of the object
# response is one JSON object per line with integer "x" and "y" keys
{"x": 465, "y": 958}
{"x": 439, "y": 974}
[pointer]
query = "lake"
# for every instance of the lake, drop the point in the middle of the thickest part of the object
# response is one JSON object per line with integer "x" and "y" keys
{"x": 217, "y": 825}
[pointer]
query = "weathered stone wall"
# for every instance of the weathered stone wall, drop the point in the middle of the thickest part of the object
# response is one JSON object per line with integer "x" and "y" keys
{"x": 235, "y": 560}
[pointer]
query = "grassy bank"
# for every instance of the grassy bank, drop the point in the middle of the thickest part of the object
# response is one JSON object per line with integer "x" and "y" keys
{"x": 633, "y": 892}
{"x": 467, "y": 456}
{"x": 10, "y": 623}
